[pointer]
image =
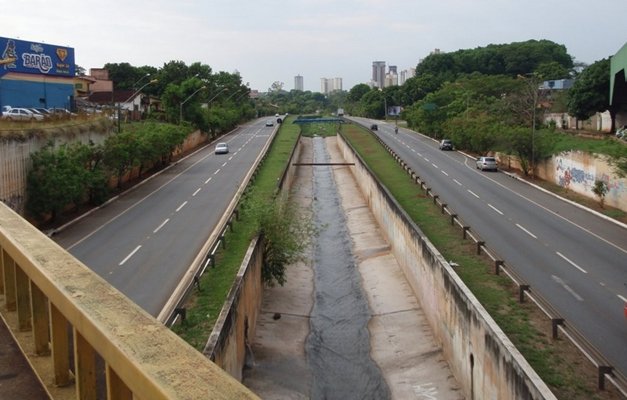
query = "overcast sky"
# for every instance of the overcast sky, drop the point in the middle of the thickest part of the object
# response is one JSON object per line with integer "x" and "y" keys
{"x": 269, "y": 41}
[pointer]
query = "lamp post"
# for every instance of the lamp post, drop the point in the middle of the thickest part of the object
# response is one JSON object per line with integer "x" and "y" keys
{"x": 185, "y": 101}
{"x": 533, "y": 87}
{"x": 217, "y": 94}
{"x": 133, "y": 95}
{"x": 140, "y": 79}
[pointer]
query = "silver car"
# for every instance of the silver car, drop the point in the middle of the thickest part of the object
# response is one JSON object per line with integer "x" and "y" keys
{"x": 486, "y": 163}
{"x": 21, "y": 114}
{"x": 222, "y": 148}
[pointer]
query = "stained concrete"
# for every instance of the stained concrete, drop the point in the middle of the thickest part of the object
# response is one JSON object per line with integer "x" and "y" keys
{"x": 402, "y": 344}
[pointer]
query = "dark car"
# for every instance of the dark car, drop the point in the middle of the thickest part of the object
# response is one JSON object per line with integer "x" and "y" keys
{"x": 446, "y": 144}
{"x": 374, "y": 127}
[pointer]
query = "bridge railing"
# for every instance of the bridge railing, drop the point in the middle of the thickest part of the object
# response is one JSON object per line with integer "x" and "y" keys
{"x": 87, "y": 340}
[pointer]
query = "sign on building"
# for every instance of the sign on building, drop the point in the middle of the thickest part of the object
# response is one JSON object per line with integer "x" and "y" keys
{"x": 35, "y": 58}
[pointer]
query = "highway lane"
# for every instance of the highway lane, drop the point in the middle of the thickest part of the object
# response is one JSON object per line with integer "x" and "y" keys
{"x": 575, "y": 259}
{"x": 145, "y": 241}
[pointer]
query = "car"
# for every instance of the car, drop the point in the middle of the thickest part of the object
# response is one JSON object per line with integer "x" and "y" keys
{"x": 21, "y": 114}
{"x": 269, "y": 123}
{"x": 222, "y": 148}
{"x": 446, "y": 144}
{"x": 61, "y": 112}
{"x": 374, "y": 127}
{"x": 486, "y": 163}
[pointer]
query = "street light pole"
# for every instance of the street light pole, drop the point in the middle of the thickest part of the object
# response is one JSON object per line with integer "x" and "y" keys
{"x": 127, "y": 100}
{"x": 185, "y": 101}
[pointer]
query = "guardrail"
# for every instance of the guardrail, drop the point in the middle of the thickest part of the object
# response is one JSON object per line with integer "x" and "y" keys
{"x": 605, "y": 371}
{"x": 175, "y": 309}
{"x": 71, "y": 322}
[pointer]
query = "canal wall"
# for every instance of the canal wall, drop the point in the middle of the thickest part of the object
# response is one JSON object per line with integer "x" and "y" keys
{"x": 229, "y": 342}
{"x": 484, "y": 361}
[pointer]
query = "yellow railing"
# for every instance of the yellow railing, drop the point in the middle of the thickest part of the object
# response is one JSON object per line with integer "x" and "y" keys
{"x": 66, "y": 318}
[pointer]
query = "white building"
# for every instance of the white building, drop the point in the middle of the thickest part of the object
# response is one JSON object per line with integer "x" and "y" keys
{"x": 299, "y": 83}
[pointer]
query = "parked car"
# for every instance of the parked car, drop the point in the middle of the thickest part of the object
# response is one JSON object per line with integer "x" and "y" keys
{"x": 61, "y": 112}
{"x": 374, "y": 127}
{"x": 21, "y": 114}
{"x": 446, "y": 144}
{"x": 486, "y": 163}
{"x": 269, "y": 123}
{"x": 222, "y": 148}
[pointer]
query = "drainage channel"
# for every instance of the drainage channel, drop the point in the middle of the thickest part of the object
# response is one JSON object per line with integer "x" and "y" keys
{"x": 338, "y": 346}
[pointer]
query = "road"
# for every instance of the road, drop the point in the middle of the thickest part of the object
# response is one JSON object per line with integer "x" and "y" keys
{"x": 144, "y": 242}
{"x": 573, "y": 258}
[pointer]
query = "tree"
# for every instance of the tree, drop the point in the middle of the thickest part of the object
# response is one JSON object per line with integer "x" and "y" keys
{"x": 357, "y": 92}
{"x": 285, "y": 232}
{"x": 57, "y": 179}
{"x": 590, "y": 92}
{"x": 600, "y": 190}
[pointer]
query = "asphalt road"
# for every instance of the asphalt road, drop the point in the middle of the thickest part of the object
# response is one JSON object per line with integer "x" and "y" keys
{"x": 144, "y": 242}
{"x": 573, "y": 258}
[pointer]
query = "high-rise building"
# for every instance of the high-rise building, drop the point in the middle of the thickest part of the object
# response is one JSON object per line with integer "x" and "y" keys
{"x": 378, "y": 73}
{"x": 299, "y": 83}
{"x": 328, "y": 85}
{"x": 406, "y": 74}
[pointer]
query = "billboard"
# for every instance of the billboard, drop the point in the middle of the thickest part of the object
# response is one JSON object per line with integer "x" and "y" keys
{"x": 35, "y": 58}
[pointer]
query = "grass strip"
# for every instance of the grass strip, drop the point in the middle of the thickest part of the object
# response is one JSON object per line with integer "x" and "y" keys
{"x": 204, "y": 305}
{"x": 522, "y": 323}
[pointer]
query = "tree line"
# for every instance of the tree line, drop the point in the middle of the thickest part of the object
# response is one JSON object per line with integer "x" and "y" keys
{"x": 75, "y": 173}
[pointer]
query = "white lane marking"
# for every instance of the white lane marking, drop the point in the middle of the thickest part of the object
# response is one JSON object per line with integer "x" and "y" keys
{"x": 434, "y": 165}
{"x": 230, "y": 158}
{"x": 426, "y": 159}
{"x": 444, "y": 173}
{"x": 571, "y": 263}
{"x": 473, "y": 193}
{"x": 130, "y": 255}
{"x": 526, "y": 231}
{"x": 207, "y": 181}
{"x": 559, "y": 281}
{"x": 216, "y": 173}
{"x": 181, "y": 206}
{"x": 196, "y": 192}
{"x": 622, "y": 298}
{"x": 419, "y": 154}
{"x": 224, "y": 165}
{"x": 495, "y": 209}
{"x": 161, "y": 226}
{"x": 458, "y": 182}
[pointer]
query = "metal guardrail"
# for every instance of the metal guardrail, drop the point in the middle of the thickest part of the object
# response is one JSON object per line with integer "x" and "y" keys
{"x": 605, "y": 371}
{"x": 207, "y": 257}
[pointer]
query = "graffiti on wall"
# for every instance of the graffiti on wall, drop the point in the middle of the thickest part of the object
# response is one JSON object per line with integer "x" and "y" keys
{"x": 580, "y": 178}
{"x": 573, "y": 175}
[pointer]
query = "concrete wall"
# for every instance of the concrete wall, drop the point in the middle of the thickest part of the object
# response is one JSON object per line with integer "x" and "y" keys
{"x": 15, "y": 161}
{"x": 228, "y": 343}
{"x": 485, "y": 363}
{"x": 577, "y": 171}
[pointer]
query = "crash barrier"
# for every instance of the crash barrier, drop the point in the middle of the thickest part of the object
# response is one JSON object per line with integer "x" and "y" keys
{"x": 605, "y": 371}
{"x": 69, "y": 322}
{"x": 175, "y": 309}
{"x": 229, "y": 344}
{"x": 484, "y": 361}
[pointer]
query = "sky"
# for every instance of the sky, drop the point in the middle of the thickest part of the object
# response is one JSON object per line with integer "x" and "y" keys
{"x": 268, "y": 41}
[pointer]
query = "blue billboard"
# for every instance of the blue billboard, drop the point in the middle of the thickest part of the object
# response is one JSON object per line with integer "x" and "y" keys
{"x": 35, "y": 58}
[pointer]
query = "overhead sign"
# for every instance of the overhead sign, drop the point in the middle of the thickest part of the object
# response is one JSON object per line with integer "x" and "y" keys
{"x": 35, "y": 58}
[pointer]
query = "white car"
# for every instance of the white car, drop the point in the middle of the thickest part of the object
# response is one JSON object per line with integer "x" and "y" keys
{"x": 488, "y": 163}
{"x": 21, "y": 114}
{"x": 269, "y": 123}
{"x": 222, "y": 148}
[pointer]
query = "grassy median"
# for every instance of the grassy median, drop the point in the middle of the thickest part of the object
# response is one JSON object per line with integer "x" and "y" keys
{"x": 558, "y": 362}
{"x": 203, "y": 307}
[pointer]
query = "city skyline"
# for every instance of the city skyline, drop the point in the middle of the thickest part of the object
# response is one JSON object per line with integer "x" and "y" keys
{"x": 315, "y": 39}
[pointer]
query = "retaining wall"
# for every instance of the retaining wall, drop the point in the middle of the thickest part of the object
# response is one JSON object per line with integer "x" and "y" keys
{"x": 484, "y": 361}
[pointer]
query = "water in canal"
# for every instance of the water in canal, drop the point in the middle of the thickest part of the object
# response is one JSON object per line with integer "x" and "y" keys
{"x": 338, "y": 346}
